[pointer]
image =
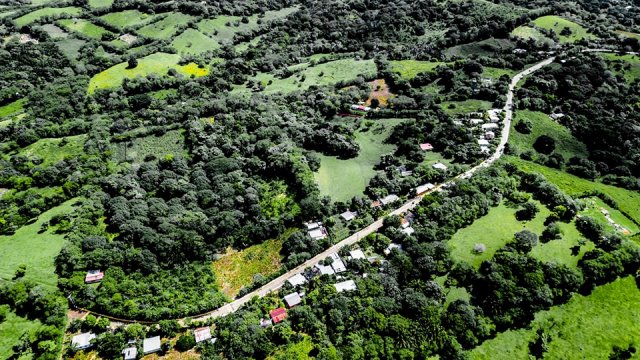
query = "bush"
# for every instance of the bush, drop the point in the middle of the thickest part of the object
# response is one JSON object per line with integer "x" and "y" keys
{"x": 185, "y": 342}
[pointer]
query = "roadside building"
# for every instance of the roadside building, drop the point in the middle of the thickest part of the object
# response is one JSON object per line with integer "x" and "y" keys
{"x": 202, "y": 334}
{"x": 278, "y": 315}
{"x": 348, "y": 285}
{"x": 83, "y": 341}
{"x": 151, "y": 345}
{"x": 292, "y": 300}
{"x": 316, "y": 230}
{"x": 357, "y": 254}
{"x": 489, "y": 126}
{"x": 389, "y": 199}
{"x": 337, "y": 265}
{"x": 297, "y": 279}
{"x": 494, "y": 115}
{"x": 325, "y": 270}
{"x": 424, "y": 188}
{"x": 348, "y": 215}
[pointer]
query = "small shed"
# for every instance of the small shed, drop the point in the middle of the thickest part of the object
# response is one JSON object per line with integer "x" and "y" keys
{"x": 151, "y": 345}
{"x": 93, "y": 276}
{"x": 483, "y": 142}
{"x": 297, "y": 279}
{"x": 83, "y": 341}
{"x": 202, "y": 334}
{"x": 439, "y": 166}
{"x": 278, "y": 315}
{"x": 292, "y": 299}
{"x": 130, "y": 353}
{"x": 348, "y": 215}
{"x": 426, "y": 147}
{"x": 424, "y": 188}
{"x": 357, "y": 254}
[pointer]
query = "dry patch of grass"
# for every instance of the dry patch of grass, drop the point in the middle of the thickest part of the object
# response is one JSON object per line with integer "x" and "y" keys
{"x": 379, "y": 91}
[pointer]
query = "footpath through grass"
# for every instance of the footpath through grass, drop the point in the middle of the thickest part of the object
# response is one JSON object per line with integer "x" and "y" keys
{"x": 587, "y": 327}
{"x": 344, "y": 179}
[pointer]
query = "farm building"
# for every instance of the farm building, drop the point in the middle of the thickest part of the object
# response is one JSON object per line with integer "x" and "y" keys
{"x": 292, "y": 300}
{"x": 151, "y": 345}
{"x": 357, "y": 254}
{"x": 93, "y": 276}
{"x": 316, "y": 230}
{"x": 202, "y": 334}
{"x": 130, "y": 353}
{"x": 426, "y": 147}
{"x": 424, "y": 188}
{"x": 439, "y": 166}
{"x": 389, "y": 199}
{"x": 297, "y": 279}
{"x": 83, "y": 341}
{"x": 489, "y": 126}
{"x": 278, "y": 315}
{"x": 345, "y": 286}
{"x": 348, "y": 215}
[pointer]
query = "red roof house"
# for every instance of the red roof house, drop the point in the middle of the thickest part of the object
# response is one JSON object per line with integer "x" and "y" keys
{"x": 278, "y": 315}
{"x": 93, "y": 276}
{"x": 426, "y": 147}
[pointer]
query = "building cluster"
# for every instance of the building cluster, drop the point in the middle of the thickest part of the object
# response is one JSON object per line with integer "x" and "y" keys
{"x": 485, "y": 125}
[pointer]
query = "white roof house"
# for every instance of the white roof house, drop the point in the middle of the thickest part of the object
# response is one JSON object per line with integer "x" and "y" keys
{"x": 439, "y": 166}
{"x": 489, "y": 126}
{"x": 489, "y": 135}
{"x": 318, "y": 234}
{"x": 313, "y": 225}
{"x": 476, "y": 121}
{"x": 392, "y": 246}
{"x": 130, "y": 353}
{"x": 325, "y": 270}
{"x": 389, "y": 199}
{"x": 408, "y": 230}
{"x": 297, "y": 279}
{"x": 357, "y": 254}
{"x": 83, "y": 341}
{"x": 485, "y": 149}
{"x": 151, "y": 345}
{"x": 424, "y": 188}
{"x": 493, "y": 115}
{"x": 337, "y": 264}
{"x": 345, "y": 286}
{"x": 348, "y": 215}
{"x": 406, "y": 173}
{"x": 292, "y": 299}
{"x": 483, "y": 142}
{"x": 202, "y": 334}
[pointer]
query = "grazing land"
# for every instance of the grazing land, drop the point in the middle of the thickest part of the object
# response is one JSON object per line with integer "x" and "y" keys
{"x": 11, "y": 329}
{"x": 12, "y": 109}
{"x": 38, "y": 14}
{"x": 53, "y": 150}
{"x": 54, "y": 31}
{"x": 528, "y": 32}
{"x": 97, "y": 4}
{"x": 84, "y": 27}
{"x": 158, "y": 63}
{"x": 465, "y": 107}
{"x": 587, "y": 327}
{"x": 159, "y": 146}
{"x": 409, "y": 69}
{"x": 166, "y": 27}
{"x": 489, "y": 47}
{"x": 128, "y": 18}
{"x": 71, "y": 47}
{"x": 192, "y": 41}
{"x": 223, "y": 28}
{"x": 625, "y": 65}
{"x": 558, "y": 24}
{"x": 343, "y": 179}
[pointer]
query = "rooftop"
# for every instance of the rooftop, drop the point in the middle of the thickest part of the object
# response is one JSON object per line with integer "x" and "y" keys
{"x": 345, "y": 286}
{"x": 292, "y": 299}
{"x": 83, "y": 341}
{"x": 202, "y": 334}
{"x": 130, "y": 353}
{"x": 439, "y": 166}
{"x": 297, "y": 279}
{"x": 151, "y": 345}
{"x": 278, "y": 315}
{"x": 357, "y": 254}
{"x": 348, "y": 215}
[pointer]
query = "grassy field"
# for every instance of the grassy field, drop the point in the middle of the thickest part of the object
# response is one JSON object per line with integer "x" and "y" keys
{"x": 628, "y": 201}
{"x": 11, "y": 329}
{"x": 626, "y": 65}
{"x": 71, "y": 47}
{"x": 322, "y": 74}
{"x": 594, "y": 207}
{"x": 166, "y": 27}
{"x": 13, "y": 108}
{"x": 128, "y": 18}
{"x": 52, "y": 150}
{"x": 218, "y": 30}
{"x": 465, "y": 107}
{"x": 297, "y": 351}
{"x": 97, "y": 4}
{"x": 192, "y": 41}
{"x": 528, "y": 32}
{"x": 557, "y": 24}
{"x": 53, "y": 31}
{"x": 158, "y": 63}
{"x": 587, "y": 327}
{"x": 84, "y": 27}
{"x": 170, "y": 143}
{"x": 566, "y": 144}
{"x": 484, "y": 231}
{"x": 38, "y": 14}
{"x": 495, "y": 73}
{"x": 237, "y": 269}
{"x": 344, "y": 179}
{"x": 33, "y": 249}
{"x": 628, "y": 34}
{"x": 409, "y": 69}
{"x": 489, "y": 47}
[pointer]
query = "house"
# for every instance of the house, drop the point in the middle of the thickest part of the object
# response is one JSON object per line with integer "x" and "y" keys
{"x": 278, "y": 315}
{"x": 316, "y": 230}
{"x": 360, "y": 108}
{"x": 292, "y": 300}
{"x": 483, "y": 142}
{"x": 485, "y": 150}
{"x": 519, "y": 51}
{"x": 439, "y": 166}
{"x": 408, "y": 230}
{"x": 93, "y": 276}
{"x": 357, "y": 254}
{"x": 83, "y": 341}
{"x": 337, "y": 265}
{"x": 345, "y": 286}
{"x": 130, "y": 353}
{"x": 424, "y": 188}
{"x": 556, "y": 116}
{"x": 426, "y": 147}
{"x": 493, "y": 115}
{"x": 476, "y": 121}
{"x": 265, "y": 322}
{"x": 151, "y": 345}
{"x": 325, "y": 270}
{"x": 392, "y": 246}
{"x": 489, "y": 135}
{"x": 297, "y": 279}
{"x": 489, "y": 126}
{"x": 405, "y": 173}
{"x": 375, "y": 204}
{"x": 348, "y": 215}
{"x": 389, "y": 199}
{"x": 202, "y": 334}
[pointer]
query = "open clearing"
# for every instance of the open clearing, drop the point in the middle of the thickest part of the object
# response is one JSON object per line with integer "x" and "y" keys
{"x": 97, "y": 4}
{"x": 137, "y": 149}
{"x": 192, "y": 41}
{"x": 628, "y": 34}
{"x": 38, "y": 14}
{"x": 236, "y": 269}
{"x": 84, "y": 27}
{"x": 557, "y": 24}
{"x": 53, "y": 150}
{"x": 465, "y": 107}
{"x": 594, "y": 209}
{"x": 587, "y": 327}
{"x": 157, "y": 63}
{"x": 11, "y": 329}
{"x": 625, "y": 65}
{"x": 53, "y": 31}
{"x": 13, "y": 108}
{"x": 344, "y": 179}
{"x": 218, "y": 29}
{"x": 71, "y": 47}
{"x": 528, "y": 32}
{"x": 566, "y": 144}
{"x": 33, "y": 249}
{"x": 128, "y": 18}
{"x": 489, "y": 47}
{"x": 166, "y": 27}
{"x": 409, "y": 69}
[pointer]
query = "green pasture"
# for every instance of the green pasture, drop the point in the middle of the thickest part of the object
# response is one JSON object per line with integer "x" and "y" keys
{"x": 97, "y": 4}
{"x": 594, "y": 210}
{"x": 587, "y": 327}
{"x": 166, "y": 27}
{"x": 465, "y": 107}
{"x": 11, "y": 329}
{"x": 496, "y": 73}
{"x": 172, "y": 142}
{"x": 625, "y": 65}
{"x": 54, "y": 31}
{"x": 71, "y": 47}
{"x": 224, "y": 27}
{"x": 409, "y": 69}
{"x": 192, "y": 41}
{"x": 128, "y": 18}
{"x": 628, "y": 34}
{"x": 344, "y": 179}
{"x": 13, "y": 108}
{"x": 488, "y": 47}
{"x": 56, "y": 149}
{"x": 40, "y": 13}
{"x": 84, "y": 27}
{"x": 528, "y": 32}
{"x": 557, "y": 24}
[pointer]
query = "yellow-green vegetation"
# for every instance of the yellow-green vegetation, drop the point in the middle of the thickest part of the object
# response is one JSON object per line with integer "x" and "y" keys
{"x": 558, "y": 24}
{"x": 566, "y": 144}
{"x": 97, "y": 4}
{"x": 296, "y": 351}
{"x": 11, "y": 329}
{"x": 128, "y": 18}
{"x": 343, "y": 179}
{"x": 192, "y": 41}
{"x": 172, "y": 142}
{"x": 38, "y": 14}
{"x": 465, "y": 107}
{"x": 587, "y": 327}
{"x": 12, "y": 109}
{"x": 218, "y": 30}
{"x": 322, "y": 74}
{"x": 528, "y": 32}
{"x": 275, "y": 201}
{"x": 157, "y": 63}
{"x": 628, "y": 34}
{"x": 495, "y": 73}
{"x": 166, "y": 27}
{"x": 236, "y": 269}
{"x": 488, "y": 47}
{"x": 626, "y": 65}
{"x": 409, "y": 69}
{"x": 84, "y": 27}
{"x": 627, "y": 200}
{"x": 53, "y": 150}
{"x": 34, "y": 249}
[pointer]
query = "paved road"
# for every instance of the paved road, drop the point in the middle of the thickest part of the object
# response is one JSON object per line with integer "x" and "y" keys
{"x": 277, "y": 283}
